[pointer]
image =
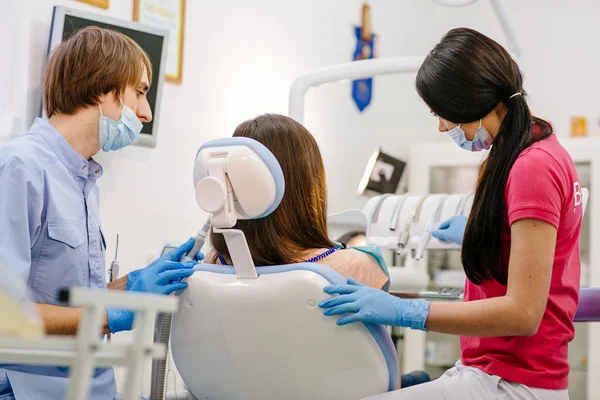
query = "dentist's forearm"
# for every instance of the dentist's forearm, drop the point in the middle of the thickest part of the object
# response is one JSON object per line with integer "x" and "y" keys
{"x": 119, "y": 284}
{"x": 60, "y": 320}
{"x": 64, "y": 321}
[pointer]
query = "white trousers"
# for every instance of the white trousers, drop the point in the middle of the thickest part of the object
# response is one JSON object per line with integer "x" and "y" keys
{"x": 468, "y": 383}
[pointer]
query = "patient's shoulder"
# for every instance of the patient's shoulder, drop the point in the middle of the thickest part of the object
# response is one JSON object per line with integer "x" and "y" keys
{"x": 358, "y": 265}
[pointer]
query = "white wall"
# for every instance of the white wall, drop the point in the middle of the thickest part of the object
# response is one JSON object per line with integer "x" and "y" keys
{"x": 240, "y": 59}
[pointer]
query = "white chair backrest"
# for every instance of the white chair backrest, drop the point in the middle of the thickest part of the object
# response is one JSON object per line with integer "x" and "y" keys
{"x": 267, "y": 338}
{"x": 258, "y": 333}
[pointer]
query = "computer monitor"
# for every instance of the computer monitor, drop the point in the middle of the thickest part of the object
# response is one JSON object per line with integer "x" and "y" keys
{"x": 66, "y": 21}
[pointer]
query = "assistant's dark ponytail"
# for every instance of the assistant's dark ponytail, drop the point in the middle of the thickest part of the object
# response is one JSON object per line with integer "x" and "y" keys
{"x": 464, "y": 78}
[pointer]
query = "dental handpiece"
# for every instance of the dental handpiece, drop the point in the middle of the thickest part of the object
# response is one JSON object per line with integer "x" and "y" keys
{"x": 199, "y": 240}
{"x": 424, "y": 242}
{"x": 429, "y": 228}
{"x": 405, "y": 235}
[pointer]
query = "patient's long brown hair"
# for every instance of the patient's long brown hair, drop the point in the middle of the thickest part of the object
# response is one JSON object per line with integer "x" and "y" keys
{"x": 300, "y": 221}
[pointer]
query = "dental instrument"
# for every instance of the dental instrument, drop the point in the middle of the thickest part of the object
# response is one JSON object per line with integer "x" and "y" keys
{"x": 199, "y": 240}
{"x": 432, "y": 224}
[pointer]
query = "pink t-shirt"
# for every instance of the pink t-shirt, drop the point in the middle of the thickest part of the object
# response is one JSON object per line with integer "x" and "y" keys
{"x": 543, "y": 184}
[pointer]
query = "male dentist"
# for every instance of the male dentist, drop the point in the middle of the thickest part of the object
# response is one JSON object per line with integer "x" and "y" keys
{"x": 94, "y": 95}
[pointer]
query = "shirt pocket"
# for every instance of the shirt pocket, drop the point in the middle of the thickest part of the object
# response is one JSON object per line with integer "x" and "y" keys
{"x": 62, "y": 257}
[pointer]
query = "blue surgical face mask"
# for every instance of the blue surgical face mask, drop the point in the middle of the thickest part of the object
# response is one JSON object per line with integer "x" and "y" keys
{"x": 481, "y": 141}
{"x": 116, "y": 135}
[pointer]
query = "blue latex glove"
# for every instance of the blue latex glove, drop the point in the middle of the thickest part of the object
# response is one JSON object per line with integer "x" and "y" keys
{"x": 119, "y": 320}
{"x": 452, "y": 230}
{"x": 158, "y": 278}
{"x": 173, "y": 255}
{"x": 374, "y": 306}
{"x": 161, "y": 277}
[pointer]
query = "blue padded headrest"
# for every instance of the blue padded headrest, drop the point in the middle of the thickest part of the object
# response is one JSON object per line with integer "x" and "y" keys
{"x": 265, "y": 155}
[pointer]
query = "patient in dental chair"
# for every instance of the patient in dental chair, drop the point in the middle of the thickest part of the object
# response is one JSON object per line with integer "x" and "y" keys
{"x": 297, "y": 230}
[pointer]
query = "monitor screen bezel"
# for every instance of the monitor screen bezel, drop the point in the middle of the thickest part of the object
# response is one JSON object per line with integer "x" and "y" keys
{"x": 56, "y": 31}
{"x": 167, "y": 248}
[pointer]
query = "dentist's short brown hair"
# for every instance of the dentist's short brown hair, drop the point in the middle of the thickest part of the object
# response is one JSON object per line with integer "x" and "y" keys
{"x": 93, "y": 62}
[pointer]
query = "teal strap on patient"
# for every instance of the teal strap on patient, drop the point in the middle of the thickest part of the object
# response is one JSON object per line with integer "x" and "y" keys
{"x": 375, "y": 252}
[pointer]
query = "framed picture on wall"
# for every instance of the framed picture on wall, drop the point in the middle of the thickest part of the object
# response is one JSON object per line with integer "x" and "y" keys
{"x": 170, "y": 15}
{"x": 98, "y": 3}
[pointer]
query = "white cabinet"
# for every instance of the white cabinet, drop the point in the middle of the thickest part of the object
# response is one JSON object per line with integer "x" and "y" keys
{"x": 443, "y": 167}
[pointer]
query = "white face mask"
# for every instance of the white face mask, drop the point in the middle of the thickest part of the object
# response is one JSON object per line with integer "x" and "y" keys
{"x": 116, "y": 135}
{"x": 481, "y": 141}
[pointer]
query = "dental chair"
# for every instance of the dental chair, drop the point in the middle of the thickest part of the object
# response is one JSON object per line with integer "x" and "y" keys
{"x": 246, "y": 332}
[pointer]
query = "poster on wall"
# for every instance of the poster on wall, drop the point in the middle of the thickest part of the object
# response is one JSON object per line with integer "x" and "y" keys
{"x": 98, "y": 3}
{"x": 170, "y": 15}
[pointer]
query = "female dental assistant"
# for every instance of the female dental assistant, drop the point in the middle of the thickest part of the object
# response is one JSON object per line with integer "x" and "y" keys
{"x": 521, "y": 242}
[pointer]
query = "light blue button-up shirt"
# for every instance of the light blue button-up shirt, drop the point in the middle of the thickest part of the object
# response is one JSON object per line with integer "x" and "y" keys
{"x": 50, "y": 234}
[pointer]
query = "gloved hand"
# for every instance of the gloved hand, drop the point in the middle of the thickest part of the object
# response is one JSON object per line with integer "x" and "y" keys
{"x": 173, "y": 255}
{"x": 452, "y": 230}
{"x": 158, "y": 278}
{"x": 119, "y": 320}
{"x": 370, "y": 305}
{"x": 161, "y": 277}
